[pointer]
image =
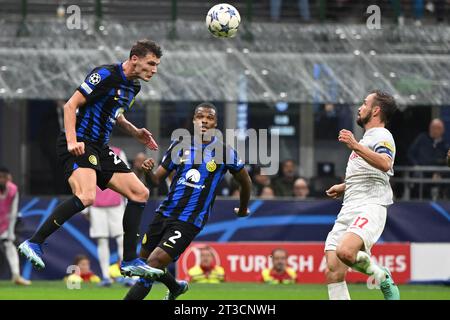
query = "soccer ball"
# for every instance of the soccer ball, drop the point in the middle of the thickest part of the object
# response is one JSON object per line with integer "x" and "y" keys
{"x": 223, "y": 20}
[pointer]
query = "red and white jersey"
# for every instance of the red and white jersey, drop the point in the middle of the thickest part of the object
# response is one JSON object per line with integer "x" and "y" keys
{"x": 365, "y": 184}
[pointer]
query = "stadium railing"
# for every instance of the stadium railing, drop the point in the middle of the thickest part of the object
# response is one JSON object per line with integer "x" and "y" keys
{"x": 410, "y": 176}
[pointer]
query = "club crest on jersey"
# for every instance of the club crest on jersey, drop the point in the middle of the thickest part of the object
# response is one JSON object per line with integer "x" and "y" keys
{"x": 93, "y": 160}
{"x": 144, "y": 240}
{"x": 95, "y": 78}
{"x": 211, "y": 166}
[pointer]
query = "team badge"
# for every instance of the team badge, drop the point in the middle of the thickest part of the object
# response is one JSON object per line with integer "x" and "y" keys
{"x": 144, "y": 239}
{"x": 211, "y": 166}
{"x": 93, "y": 160}
{"x": 95, "y": 78}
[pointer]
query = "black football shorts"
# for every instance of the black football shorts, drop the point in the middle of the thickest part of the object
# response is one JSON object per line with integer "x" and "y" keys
{"x": 98, "y": 157}
{"x": 170, "y": 234}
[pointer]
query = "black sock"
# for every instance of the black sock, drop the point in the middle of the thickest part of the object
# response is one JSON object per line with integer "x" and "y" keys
{"x": 170, "y": 282}
{"x": 131, "y": 224}
{"x": 139, "y": 290}
{"x": 63, "y": 212}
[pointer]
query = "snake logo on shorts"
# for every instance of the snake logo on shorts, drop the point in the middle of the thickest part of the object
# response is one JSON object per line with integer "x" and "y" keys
{"x": 93, "y": 160}
{"x": 144, "y": 240}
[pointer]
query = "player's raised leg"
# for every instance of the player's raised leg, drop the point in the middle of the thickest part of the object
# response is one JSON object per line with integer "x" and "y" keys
{"x": 137, "y": 194}
{"x": 83, "y": 184}
{"x": 349, "y": 251}
{"x": 335, "y": 277}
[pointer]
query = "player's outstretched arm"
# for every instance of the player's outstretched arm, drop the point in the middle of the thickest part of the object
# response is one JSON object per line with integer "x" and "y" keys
{"x": 142, "y": 135}
{"x": 245, "y": 183}
{"x": 155, "y": 177}
{"x": 70, "y": 117}
{"x": 381, "y": 161}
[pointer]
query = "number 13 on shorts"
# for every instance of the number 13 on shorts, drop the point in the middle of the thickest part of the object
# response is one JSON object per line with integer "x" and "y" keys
{"x": 360, "y": 222}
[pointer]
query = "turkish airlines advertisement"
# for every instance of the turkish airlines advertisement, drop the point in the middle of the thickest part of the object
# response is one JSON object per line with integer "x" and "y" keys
{"x": 244, "y": 261}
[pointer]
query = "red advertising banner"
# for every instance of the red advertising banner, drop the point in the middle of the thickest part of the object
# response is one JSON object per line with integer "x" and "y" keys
{"x": 244, "y": 261}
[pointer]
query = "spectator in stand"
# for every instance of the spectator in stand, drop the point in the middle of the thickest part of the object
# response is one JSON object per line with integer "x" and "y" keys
{"x": 259, "y": 181}
{"x": 430, "y": 149}
{"x": 419, "y": 6}
{"x": 303, "y": 8}
{"x": 207, "y": 271}
{"x": 267, "y": 193}
{"x": 280, "y": 273}
{"x": 301, "y": 189}
{"x": 284, "y": 183}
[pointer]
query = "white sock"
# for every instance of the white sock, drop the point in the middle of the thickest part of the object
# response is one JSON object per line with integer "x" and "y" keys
{"x": 338, "y": 291}
{"x": 365, "y": 265}
{"x": 13, "y": 258}
{"x": 103, "y": 256}
{"x": 119, "y": 241}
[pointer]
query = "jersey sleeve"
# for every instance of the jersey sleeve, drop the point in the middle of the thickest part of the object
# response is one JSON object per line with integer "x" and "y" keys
{"x": 167, "y": 161}
{"x": 94, "y": 84}
{"x": 233, "y": 162}
{"x": 384, "y": 143}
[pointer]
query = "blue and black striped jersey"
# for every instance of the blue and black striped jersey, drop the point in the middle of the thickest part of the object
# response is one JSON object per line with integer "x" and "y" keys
{"x": 194, "y": 185}
{"x": 108, "y": 93}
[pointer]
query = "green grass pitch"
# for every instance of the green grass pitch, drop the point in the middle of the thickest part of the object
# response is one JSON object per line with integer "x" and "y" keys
{"x": 57, "y": 290}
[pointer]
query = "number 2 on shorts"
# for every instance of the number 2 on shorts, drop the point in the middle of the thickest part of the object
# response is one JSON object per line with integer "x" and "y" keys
{"x": 176, "y": 236}
{"x": 360, "y": 222}
{"x": 116, "y": 158}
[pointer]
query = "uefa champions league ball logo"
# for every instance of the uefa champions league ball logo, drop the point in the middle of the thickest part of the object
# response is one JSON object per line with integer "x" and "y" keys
{"x": 95, "y": 78}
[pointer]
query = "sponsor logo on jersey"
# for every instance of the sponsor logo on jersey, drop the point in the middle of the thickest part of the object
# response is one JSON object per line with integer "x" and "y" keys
{"x": 191, "y": 179}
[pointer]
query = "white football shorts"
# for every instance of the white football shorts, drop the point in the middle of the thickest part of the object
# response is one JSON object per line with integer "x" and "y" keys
{"x": 367, "y": 221}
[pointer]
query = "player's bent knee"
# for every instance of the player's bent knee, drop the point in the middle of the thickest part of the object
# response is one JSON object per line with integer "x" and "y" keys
{"x": 346, "y": 255}
{"x": 86, "y": 198}
{"x": 140, "y": 195}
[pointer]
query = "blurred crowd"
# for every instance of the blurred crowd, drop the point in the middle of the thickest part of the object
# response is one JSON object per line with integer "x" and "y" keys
{"x": 399, "y": 11}
{"x": 428, "y": 149}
